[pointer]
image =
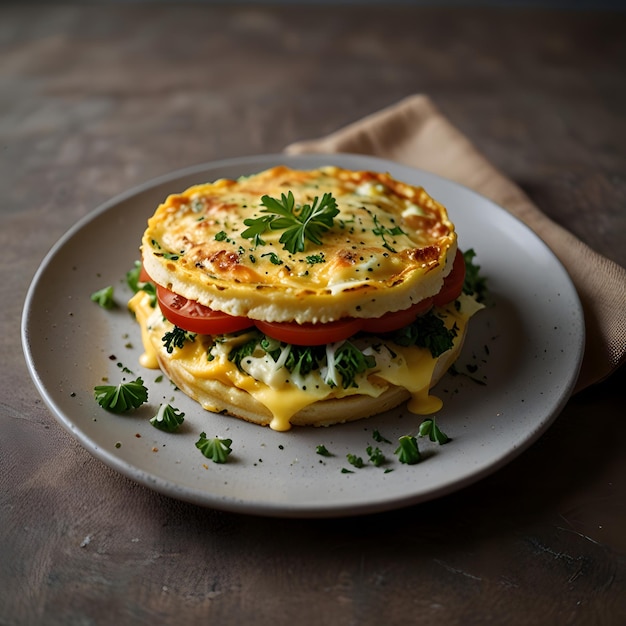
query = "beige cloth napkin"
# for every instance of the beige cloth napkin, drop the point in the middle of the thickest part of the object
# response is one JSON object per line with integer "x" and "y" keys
{"x": 413, "y": 132}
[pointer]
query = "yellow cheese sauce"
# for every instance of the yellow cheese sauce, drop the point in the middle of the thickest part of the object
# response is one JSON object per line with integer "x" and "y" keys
{"x": 284, "y": 394}
{"x": 140, "y": 306}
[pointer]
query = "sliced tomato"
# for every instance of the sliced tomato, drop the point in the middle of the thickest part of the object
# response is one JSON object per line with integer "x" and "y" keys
{"x": 310, "y": 334}
{"x": 397, "y": 319}
{"x": 453, "y": 282}
{"x": 197, "y": 318}
{"x": 143, "y": 275}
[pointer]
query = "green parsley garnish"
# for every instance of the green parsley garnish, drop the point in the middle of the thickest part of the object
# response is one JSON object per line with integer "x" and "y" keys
{"x": 407, "y": 451}
{"x": 104, "y": 297}
{"x": 315, "y": 258}
{"x": 150, "y": 289}
{"x": 383, "y": 231}
{"x": 176, "y": 338}
{"x": 355, "y": 460}
{"x": 274, "y": 258}
{"x": 132, "y": 277}
{"x": 428, "y": 428}
{"x": 427, "y": 331}
{"x": 302, "y": 360}
{"x": 214, "y": 448}
{"x": 170, "y": 256}
{"x": 376, "y": 436}
{"x": 167, "y": 418}
{"x": 237, "y": 354}
{"x": 309, "y": 221}
{"x": 474, "y": 283}
{"x": 345, "y": 361}
{"x": 375, "y": 455}
{"x": 322, "y": 450}
{"x": 123, "y": 397}
{"x": 349, "y": 362}
{"x": 132, "y": 280}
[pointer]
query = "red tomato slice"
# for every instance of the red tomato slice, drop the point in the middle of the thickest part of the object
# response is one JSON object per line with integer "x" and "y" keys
{"x": 453, "y": 282}
{"x": 310, "y": 334}
{"x": 197, "y": 318}
{"x": 143, "y": 275}
{"x": 397, "y": 319}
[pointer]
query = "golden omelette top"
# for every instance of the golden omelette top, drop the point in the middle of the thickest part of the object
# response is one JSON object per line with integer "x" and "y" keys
{"x": 389, "y": 246}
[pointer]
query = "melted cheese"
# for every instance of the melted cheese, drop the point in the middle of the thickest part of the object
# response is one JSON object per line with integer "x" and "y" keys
{"x": 283, "y": 393}
{"x": 140, "y": 306}
{"x": 390, "y": 246}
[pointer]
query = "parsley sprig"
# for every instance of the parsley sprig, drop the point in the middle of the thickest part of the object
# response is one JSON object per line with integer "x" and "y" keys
{"x": 308, "y": 221}
{"x": 123, "y": 397}
{"x": 214, "y": 448}
{"x": 167, "y": 418}
{"x": 382, "y": 231}
{"x": 408, "y": 451}
{"x": 428, "y": 428}
{"x": 104, "y": 297}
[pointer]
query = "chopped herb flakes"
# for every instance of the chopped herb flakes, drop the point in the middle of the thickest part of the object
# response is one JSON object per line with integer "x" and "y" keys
{"x": 375, "y": 455}
{"x": 315, "y": 258}
{"x": 355, "y": 460}
{"x": 376, "y": 436}
{"x": 176, "y": 338}
{"x": 322, "y": 451}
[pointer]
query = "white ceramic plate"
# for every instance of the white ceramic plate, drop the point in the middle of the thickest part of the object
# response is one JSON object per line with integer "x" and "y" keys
{"x": 526, "y": 349}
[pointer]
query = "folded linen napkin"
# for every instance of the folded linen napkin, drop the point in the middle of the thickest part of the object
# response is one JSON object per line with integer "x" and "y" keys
{"x": 413, "y": 132}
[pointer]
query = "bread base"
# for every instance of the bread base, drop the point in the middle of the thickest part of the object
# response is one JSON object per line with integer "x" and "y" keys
{"x": 218, "y": 397}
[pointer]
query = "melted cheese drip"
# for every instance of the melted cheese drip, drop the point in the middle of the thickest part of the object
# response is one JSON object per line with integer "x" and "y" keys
{"x": 414, "y": 372}
{"x": 283, "y": 394}
{"x": 137, "y": 305}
